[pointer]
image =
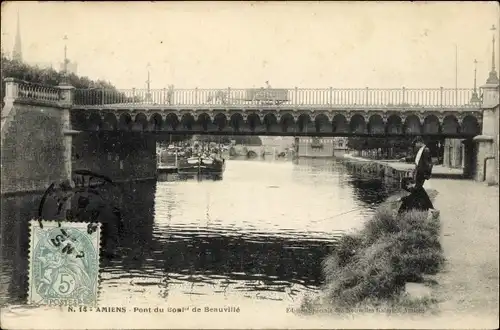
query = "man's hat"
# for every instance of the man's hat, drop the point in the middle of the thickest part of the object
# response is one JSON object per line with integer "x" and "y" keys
{"x": 416, "y": 140}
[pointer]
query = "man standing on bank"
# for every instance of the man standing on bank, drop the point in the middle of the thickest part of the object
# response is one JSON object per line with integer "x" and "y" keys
{"x": 418, "y": 199}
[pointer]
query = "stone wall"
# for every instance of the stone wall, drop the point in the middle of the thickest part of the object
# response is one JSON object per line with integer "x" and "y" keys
{"x": 487, "y": 147}
{"x": 32, "y": 149}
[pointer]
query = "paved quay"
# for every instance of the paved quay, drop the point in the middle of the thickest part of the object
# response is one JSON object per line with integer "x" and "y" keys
{"x": 469, "y": 285}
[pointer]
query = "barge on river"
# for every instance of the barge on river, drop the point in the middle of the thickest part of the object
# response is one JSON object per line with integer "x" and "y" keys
{"x": 168, "y": 162}
{"x": 202, "y": 166}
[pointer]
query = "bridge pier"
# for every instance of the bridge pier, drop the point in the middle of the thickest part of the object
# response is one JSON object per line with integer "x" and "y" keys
{"x": 487, "y": 148}
{"x": 469, "y": 159}
{"x": 34, "y": 147}
{"x": 39, "y": 146}
{"x": 454, "y": 152}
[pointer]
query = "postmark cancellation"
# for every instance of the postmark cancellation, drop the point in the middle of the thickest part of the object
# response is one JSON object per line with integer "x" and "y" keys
{"x": 64, "y": 263}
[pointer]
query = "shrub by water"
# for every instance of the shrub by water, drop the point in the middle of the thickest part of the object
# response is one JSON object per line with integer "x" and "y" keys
{"x": 376, "y": 262}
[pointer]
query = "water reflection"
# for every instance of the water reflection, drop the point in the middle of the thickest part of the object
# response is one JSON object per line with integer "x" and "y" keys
{"x": 260, "y": 233}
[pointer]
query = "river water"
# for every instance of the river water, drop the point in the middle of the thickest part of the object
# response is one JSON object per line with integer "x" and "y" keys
{"x": 256, "y": 237}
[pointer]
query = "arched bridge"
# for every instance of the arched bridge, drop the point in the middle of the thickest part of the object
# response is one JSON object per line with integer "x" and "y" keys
{"x": 269, "y": 111}
{"x": 300, "y": 123}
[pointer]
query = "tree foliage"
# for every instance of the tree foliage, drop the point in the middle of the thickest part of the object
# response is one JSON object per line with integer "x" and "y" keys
{"x": 87, "y": 91}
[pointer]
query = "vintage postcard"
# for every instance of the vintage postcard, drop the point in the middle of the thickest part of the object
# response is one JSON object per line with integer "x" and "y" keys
{"x": 249, "y": 165}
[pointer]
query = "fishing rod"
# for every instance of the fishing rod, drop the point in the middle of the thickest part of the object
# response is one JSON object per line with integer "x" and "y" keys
{"x": 339, "y": 214}
{"x": 354, "y": 210}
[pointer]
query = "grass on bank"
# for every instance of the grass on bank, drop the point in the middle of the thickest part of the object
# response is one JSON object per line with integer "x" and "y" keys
{"x": 371, "y": 267}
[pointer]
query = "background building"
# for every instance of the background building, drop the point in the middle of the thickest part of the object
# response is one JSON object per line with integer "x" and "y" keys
{"x": 321, "y": 146}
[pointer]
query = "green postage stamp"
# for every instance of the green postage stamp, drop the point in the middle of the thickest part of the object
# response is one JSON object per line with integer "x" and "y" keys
{"x": 64, "y": 263}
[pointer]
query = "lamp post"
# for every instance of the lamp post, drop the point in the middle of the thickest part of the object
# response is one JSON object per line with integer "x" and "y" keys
{"x": 148, "y": 85}
{"x": 475, "y": 97}
{"x": 456, "y": 74}
{"x": 65, "y": 63}
{"x": 493, "y": 77}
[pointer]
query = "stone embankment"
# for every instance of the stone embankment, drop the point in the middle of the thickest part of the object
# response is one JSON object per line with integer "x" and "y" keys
{"x": 394, "y": 169}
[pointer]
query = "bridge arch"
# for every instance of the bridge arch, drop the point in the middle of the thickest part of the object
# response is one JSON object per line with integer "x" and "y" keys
{"x": 376, "y": 124}
{"x": 109, "y": 122}
{"x": 140, "y": 122}
{"x": 220, "y": 122}
{"x": 94, "y": 123}
{"x": 412, "y": 125}
{"x": 204, "y": 123}
{"x": 340, "y": 124}
{"x": 304, "y": 123}
{"x": 172, "y": 122}
{"x": 79, "y": 120}
{"x": 187, "y": 122}
{"x": 236, "y": 122}
{"x": 322, "y": 123}
{"x": 271, "y": 123}
{"x": 125, "y": 122}
{"x": 394, "y": 125}
{"x": 357, "y": 124}
{"x": 431, "y": 125}
{"x": 287, "y": 123}
{"x": 155, "y": 122}
{"x": 450, "y": 125}
{"x": 470, "y": 126}
{"x": 254, "y": 122}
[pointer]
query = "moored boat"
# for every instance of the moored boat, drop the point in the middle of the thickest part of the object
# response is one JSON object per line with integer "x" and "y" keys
{"x": 168, "y": 158}
{"x": 202, "y": 165}
{"x": 167, "y": 162}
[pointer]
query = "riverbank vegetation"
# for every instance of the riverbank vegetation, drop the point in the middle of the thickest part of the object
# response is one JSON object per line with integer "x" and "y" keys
{"x": 370, "y": 268}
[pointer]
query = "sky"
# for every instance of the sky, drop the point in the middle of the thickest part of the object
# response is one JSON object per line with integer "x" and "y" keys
{"x": 244, "y": 44}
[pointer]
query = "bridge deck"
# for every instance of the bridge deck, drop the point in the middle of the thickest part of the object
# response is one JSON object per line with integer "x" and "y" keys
{"x": 284, "y": 106}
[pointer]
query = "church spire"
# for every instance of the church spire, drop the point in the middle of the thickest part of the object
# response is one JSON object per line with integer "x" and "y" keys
{"x": 493, "y": 78}
{"x": 17, "y": 53}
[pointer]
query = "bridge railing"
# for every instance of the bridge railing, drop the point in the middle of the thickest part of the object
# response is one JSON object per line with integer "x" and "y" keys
{"x": 23, "y": 90}
{"x": 329, "y": 97}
